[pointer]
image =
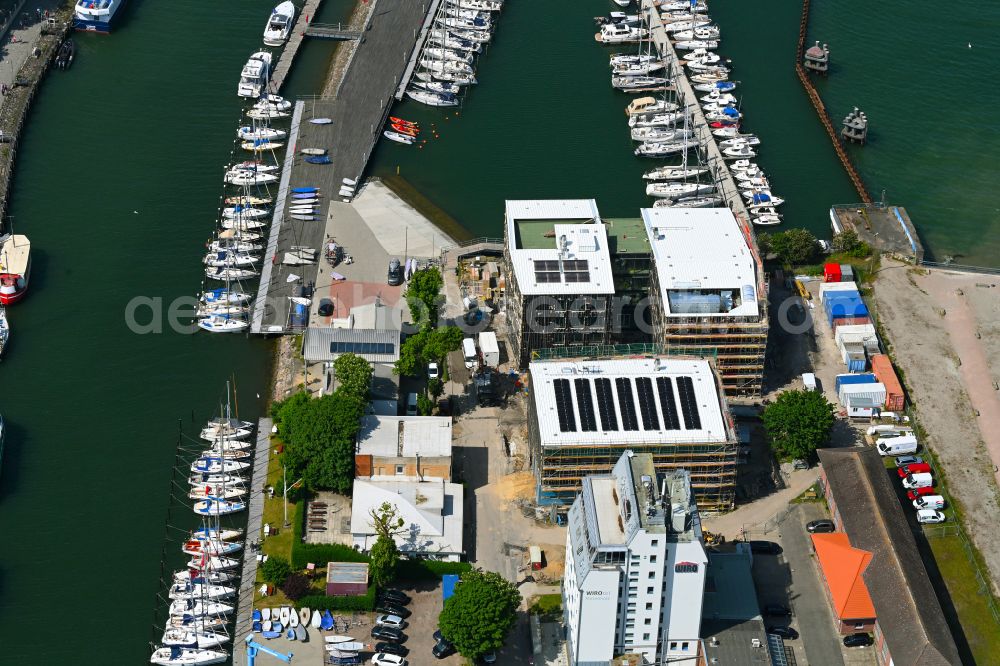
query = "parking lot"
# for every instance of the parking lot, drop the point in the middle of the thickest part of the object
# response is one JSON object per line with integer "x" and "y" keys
{"x": 793, "y": 579}
{"x": 425, "y": 607}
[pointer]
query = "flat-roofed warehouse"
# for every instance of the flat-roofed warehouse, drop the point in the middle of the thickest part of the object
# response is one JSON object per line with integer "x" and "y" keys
{"x": 584, "y": 413}
{"x": 707, "y": 291}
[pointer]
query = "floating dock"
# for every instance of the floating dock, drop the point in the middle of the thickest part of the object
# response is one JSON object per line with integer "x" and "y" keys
{"x": 295, "y": 39}
{"x": 255, "y": 520}
{"x": 417, "y": 48}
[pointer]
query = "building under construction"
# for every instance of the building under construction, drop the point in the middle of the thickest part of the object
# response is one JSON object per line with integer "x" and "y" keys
{"x": 558, "y": 271}
{"x": 583, "y": 414}
{"x": 708, "y": 290}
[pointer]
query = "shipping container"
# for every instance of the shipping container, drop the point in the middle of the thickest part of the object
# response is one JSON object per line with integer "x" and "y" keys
{"x": 850, "y": 321}
{"x": 831, "y": 272}
{"x": 846, "y": 273}
{"x": 857, "y": 378}
{"x": 882, "y": 367}
{"x": 874, "y": 393}
{"x": 840, "y": 308}
{"x": 858, "y": 333}
{"x": 489, "y": 348}
{"x": 831, "y": 287}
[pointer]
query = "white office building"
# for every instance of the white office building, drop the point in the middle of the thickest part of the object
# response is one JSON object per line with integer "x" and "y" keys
{"x": 635, "y": 567}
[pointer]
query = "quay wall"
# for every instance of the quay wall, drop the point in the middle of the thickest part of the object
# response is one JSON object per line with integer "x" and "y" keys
{"x": 824, "y": 117}
{"x": 17, "y": 101}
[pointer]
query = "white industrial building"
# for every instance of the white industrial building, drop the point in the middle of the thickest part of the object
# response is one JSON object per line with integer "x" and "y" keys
{"x": 635, "y": 567}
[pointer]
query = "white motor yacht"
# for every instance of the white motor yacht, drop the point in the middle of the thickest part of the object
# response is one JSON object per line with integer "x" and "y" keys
{"x": 255, "y": 75}
{"x": 279, "y": 24}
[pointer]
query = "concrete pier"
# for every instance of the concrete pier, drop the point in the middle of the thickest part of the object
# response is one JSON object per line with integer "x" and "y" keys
{"x": 248, "y": 574}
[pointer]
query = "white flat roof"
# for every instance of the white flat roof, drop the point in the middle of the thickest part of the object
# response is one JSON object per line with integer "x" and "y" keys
{"x": 606, "y": 508}
{"x": 702, "y": 249}
{"x": 405, "y": 436}
{"x": 14, "y": 255}
{"x": 578, "y": 261}
{"x": 665, "y": 408}
{"x": 431, "y": 512}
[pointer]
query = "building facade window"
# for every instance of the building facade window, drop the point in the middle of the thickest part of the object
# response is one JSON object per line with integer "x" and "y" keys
{"x": 400, "y": 470}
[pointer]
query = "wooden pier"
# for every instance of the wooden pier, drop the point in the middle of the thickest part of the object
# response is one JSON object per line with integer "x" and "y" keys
{"x": 255, "y": 520}
{"x": 17, "y": 102}
{"x": 284, "y": 66}
{"x": 824, "y": 117}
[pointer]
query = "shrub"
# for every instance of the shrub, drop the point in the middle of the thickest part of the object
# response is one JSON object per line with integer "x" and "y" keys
{"x": 365, "y": 602}
{"x": 296, "y": 586}
{"x": 429, "y": 569}
{"x": 275, "y": 570}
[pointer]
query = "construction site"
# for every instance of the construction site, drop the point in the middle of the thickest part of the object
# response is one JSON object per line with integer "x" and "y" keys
{"x": 584, "y": 413}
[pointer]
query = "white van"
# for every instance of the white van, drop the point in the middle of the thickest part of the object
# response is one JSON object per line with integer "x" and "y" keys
{"x": 411, "y": 404}
{"x": 930, "y": 516}
{"x": 469, "y": 352}
{"x": 929, "y": 502}
{"x": 895, "y": 446}
{"x": 918, "y": 480}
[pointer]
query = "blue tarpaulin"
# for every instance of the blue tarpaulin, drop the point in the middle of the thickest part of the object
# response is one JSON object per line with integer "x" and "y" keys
{"x": 448, "y": 583}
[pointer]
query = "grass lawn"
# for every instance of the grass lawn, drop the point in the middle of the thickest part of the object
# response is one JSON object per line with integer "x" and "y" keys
{"x": 279, "y": 544}
{"x": 973, "y": 612}
{"x": 547, "y": 604}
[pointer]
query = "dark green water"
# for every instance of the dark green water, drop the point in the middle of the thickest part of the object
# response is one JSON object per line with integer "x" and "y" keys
{"x": 117, "y": 181}
{"x": 544, "y": 121}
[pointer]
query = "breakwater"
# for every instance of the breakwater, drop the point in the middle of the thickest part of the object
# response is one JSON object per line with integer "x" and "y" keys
{"x": 824, "y": 117}
{"x": 18, "y": 99}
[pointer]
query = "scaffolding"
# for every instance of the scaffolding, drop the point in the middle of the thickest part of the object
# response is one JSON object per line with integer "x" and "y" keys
{"x": 559, "y": 469}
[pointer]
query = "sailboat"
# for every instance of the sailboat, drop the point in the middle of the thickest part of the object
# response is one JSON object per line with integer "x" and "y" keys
{"x": 190, "y": 590}
{"x": 200, "y": 639}
{"x": 215, "y": 465}
{"x": 179, "y": 656}
{"x": 674, "y": 172}
{"x": 215, "y": 506}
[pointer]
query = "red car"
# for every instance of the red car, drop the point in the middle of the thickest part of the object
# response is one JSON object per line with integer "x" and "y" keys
{"x": 917, "y": 492}
{"x": 913, "y": 468}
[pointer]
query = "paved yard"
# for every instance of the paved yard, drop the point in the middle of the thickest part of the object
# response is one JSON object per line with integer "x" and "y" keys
{"x": 793, "y": 579}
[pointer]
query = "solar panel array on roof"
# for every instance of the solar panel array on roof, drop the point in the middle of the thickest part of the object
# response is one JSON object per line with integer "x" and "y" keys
{"x": 572, "y": 270}
{"x": 647, "y": 403}
{"x": 671, "y": 420}
{"x": 585, "y": 403}
{"x": 362, "y": 348}
{"x": 576, "y": 270}
{"x": 689, "y": 406}
{"x": 564, "y": 405}
{"x": 606, "y": 403}
{"x": 627, "y": 403}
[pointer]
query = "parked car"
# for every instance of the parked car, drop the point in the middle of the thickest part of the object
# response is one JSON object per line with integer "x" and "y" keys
{"x": 442, "y": 646}
{"x": 857, "y": 640}
{"x": 777, "y": 610}
{"x": 384, "y": 633}
{"x": 908, "y": 460}
{"x": 433, "y": 371}
{"x": 919, "y": 492}
{"x": 929, "y": 502}
{"x": 386, "y": 659}
{"x": 390, "y": 608}
{"x": 392, "y": 648}
{"x": 912, "y": 468}
{"x": 395, "y": 596}
{"x": 489, "y": 658}
{"x": 820, "y": 526}
{"x": 798, "y": 463}
{"x": 390, "y": 620}
{"x": 765, "y": 547}
{"x": 785, "y": 632}
{"x": 930, "y": 516}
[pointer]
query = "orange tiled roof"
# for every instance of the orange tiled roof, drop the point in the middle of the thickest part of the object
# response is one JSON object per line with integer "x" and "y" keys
{"x": 842, "y": 567}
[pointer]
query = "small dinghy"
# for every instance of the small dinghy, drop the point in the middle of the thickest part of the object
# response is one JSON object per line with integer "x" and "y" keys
{"x": 284, "y": 614}
{"x": 260, "y": 145}
{"x": 302, "y": 190}
{"x": 303, "y": 218}
{"x": 318, "y": 159}
{"x": 398, "y": 138}
{"x": 266, "y": 614}
{"x": 317, "y": 620}
{"x": 306, "y": 200}
{"x": 305, "y": 195}
{"x": 321, "y": 121}
{"x": 328, "y": 622}
{"x": 178, "y": 656}
{"x": 338, "y": 639}
{"x": 301, "y": 634}
{"x": 293, "y": 619}
{"x": 304, "y": 615}
{"x": 313, "y": 151}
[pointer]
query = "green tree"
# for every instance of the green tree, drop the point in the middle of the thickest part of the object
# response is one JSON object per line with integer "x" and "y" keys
{"x": 847, "y": 242}
{"x": 424, "y": 405}
{"x": 441, "y": 342}
{"x": 354, "y": 375}
{"x": 795, "y": 246}
{"x": 384, "y": 556}
{"x": 423, "y": 294}
{"x": 284, "y": 412}
{"x": 435, "y": 387}
{"x": 798, "y": 423}
{"x": 764, "y": 244}
{"x": 321, "y": 446}
{"x": 275, "y": 570}
{"x": 411, "y": 355}
{"x": 477, "y": 618}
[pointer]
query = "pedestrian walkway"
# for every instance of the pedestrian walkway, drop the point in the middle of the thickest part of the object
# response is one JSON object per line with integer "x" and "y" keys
{"x": 19, "y": 35}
